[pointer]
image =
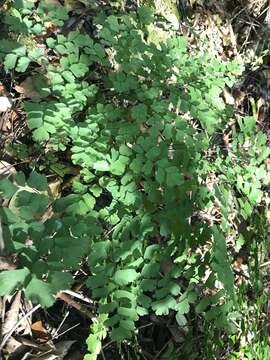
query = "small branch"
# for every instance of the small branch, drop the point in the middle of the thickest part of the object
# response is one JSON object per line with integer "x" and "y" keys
{"x": 161, "y": 351}
{"x": 69, "y": 329}
{"x": 263, "y": 265}
{"x": 79, "y": 296}
{"x": 83, "y": 309}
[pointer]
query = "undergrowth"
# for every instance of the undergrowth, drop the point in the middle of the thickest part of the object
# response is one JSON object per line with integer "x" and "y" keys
{"x": 159, "y": 206}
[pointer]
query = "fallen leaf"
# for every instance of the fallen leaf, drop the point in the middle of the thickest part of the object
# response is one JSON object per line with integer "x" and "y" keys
{"x": 55, "y": 189}
{"x": 5, "y": 104}
{"x": 10, "y": 320}
{"x": 39, "y": 332}
{"x": 12, "y": 315}
{"x": 6, "y": 169}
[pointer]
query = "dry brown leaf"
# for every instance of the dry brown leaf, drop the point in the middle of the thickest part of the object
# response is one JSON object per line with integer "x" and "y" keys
{"x": 233, "y": 37}
{"x": 6, "y": 169}
{"x": 12, "y": 315}
{"x": 5, "y": 103}
{"x": 39, "y": 332}
{"x": 55, "y": 189}
{"x": 10, "y": 320}
{"x": 38, "y": 326}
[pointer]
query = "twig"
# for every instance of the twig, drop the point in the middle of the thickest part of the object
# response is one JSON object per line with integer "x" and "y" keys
{"x": 102, "y": 354}
{"x": 9, "y": 334}
{"x": 79, "y": 296}
{"x": 144, "y": 326}
{"x": 162, "y": 349}
{"x": 55, "y": 335}
{"x": 265, "y": 264}
{"x": 108, "y": 344}
{"x": 83, "y": 309}
{"x": 64, "y": 332}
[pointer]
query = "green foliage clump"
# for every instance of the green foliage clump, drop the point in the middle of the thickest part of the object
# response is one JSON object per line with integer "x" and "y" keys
{"x": 141, "y": 122}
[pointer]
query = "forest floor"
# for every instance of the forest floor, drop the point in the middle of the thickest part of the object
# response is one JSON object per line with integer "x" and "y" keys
{"x": 234, "y": 29}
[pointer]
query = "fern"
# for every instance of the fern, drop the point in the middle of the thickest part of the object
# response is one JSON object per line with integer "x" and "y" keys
{"x": 123, "y": 110}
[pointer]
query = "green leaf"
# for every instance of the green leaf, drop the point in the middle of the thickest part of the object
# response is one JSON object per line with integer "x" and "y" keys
{"x": 35, "y": 120}
{"x": 96, "y": 281}
{"x": 183, "y": 307}
{"x": 96, "y": 190}
{"x": 79, "y": 69}
{"x": 56, "y": 79}
{"x": 129, "y": 313}
{"x": 89, "y": 200}
{"x": 41, "y": 134}
{"x": 30, "y": 204}
{"x": 127, "y": 324}
{"x": 126, "y": 276}
{"x": 123, "y": 294}
{"x": 150, "y": 270}
{"x": 10, "y": 61}
{"x": 145, "y": 301}
{"x": 181, "y": 319}
{"x": 12, "y": 280}
{"x": 37, "y": 181}
{"x": 107, "y": 308}
{"x": 145, "y": 15}
{"x": 148, "y": 285}
{"x": 113, "y": 23}
{"x": 94, "y": 346}
{"x": 67, "y": 75}
{"x": 139, "y": 113}
{"x": 61, "y": 49}
{"x": 23, "y": 64}
{"x": 59, "y": 281}
{"x": 101, "y": 165}
{"x": 36, "y": 53}
{"x": 118, "y": 167}
{"x": 202, "y": 306}
{"x": 162, "y": 307}
{"x": 150, "y": 251}
{"x": 39, "y": 292}
{"x": 51, "y": 42}
{"x": 37, "y": 29}
{"x": 7, "y": 188}
{"x": 113, "y": 320}
{"x": 119, "y": 334}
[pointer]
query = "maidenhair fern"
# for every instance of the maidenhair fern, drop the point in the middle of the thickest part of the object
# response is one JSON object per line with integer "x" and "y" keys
{"x": 138, "y": 120}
